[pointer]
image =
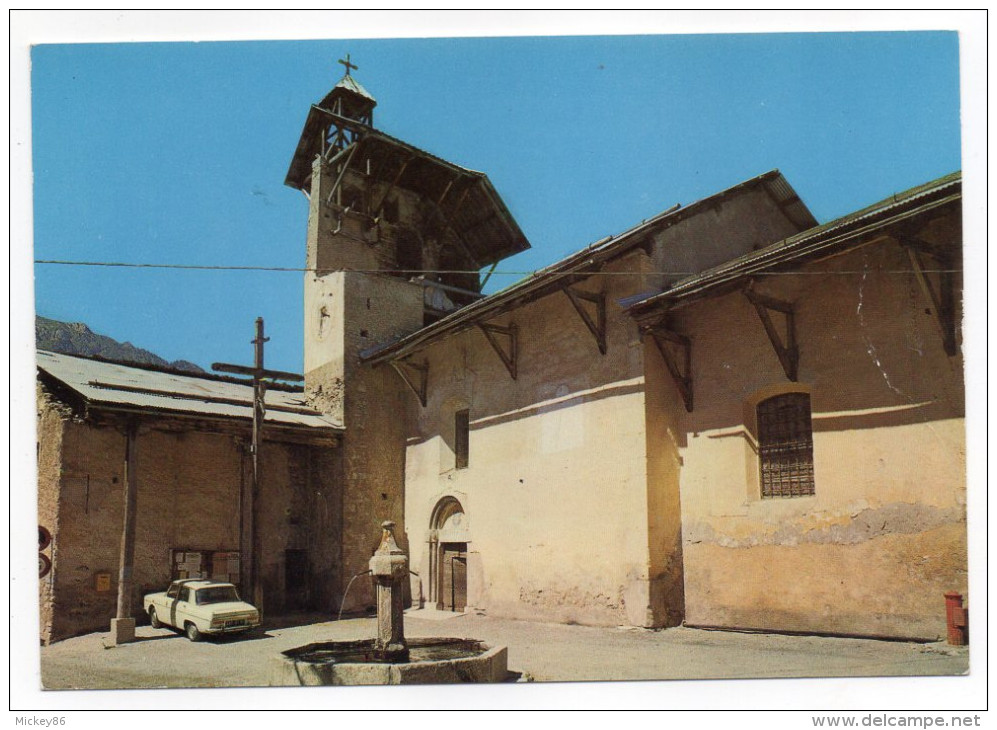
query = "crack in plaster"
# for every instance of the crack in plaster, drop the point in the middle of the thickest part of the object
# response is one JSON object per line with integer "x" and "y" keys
{"x": 871, "y": 348}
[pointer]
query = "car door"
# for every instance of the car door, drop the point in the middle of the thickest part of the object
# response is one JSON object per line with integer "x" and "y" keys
{"x": 166, "y": 605}
{"x": 181, "y": 607}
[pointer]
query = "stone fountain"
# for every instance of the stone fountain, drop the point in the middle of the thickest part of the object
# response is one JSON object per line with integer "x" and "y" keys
{"x": 390, "y": 658}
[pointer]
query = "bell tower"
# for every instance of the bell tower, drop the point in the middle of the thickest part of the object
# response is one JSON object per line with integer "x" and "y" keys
{"x": 396, "y": 239}
{"x": 350, "y": 100}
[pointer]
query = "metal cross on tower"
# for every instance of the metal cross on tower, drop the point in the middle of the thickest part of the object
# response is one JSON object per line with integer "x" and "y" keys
{"x": 260, "y": 377}
{"x": 348, "y": 64}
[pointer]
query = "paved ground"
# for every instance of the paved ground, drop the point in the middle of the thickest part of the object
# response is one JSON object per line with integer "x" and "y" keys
{"x": 538, "y": 652}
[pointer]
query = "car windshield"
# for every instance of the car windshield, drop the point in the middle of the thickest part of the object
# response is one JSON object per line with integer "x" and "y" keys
{"x": 216, "y": 594}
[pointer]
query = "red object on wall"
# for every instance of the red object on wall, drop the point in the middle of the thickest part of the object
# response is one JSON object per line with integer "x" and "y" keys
{"x": 957, "y": 619}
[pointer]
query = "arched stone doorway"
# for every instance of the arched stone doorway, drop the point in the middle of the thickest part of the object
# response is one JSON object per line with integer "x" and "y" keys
{"x": 448, "y": 538}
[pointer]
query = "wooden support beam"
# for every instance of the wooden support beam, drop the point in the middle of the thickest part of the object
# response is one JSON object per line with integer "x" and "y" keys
{"x": 942, "y": 302}
{"x": 342, "y": 173}
{"x": 665, "y": 340}
{"x": 597, "y": 327}
{"x": 510, "y": 358}
{"x": 391, "y": 186}
{"x": 489, "y": 274}
{"x": 443, "y": 195}
{"x": 787, "y": 352}
{"x": 421, "y": 373}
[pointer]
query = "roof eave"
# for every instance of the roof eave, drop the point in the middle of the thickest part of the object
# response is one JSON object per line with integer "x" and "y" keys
{"x": 536, "y": 286}
{"x": 852, "y": 229}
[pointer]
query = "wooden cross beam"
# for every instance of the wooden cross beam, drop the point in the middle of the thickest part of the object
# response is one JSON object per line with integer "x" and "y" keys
{"x": 509, "y": 359}
{"x": 260, "y": 375}
{"x": 787, "y": 352}
{"x": 667, "y": 341}
{"x": 597, "y": 327}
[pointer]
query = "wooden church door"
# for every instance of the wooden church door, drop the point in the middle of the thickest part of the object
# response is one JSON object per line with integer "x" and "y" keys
{"x": 454, "y": 593}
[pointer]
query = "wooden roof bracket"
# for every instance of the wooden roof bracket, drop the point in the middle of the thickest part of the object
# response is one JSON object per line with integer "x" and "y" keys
{"x": 489, "y": 275}
{"x": 942, "y": 302}
{"x": 420, "y": 371}
{"x": 597, "y": 327}
{"x": 510, "y": 358}
{"x": 788, "y": 352}
{"x": 667, "y": 342}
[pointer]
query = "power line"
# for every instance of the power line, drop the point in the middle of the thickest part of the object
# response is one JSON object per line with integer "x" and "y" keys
{"x": 416, "y": 272}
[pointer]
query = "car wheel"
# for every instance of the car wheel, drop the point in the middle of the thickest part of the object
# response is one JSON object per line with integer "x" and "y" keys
{"x": 192, "y": 632}
{"x": 154, "y": 619}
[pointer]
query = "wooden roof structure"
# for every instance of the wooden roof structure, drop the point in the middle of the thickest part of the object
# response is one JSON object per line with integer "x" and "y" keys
{"x": 466, "y": 197}
{"x": 582, "y": 264}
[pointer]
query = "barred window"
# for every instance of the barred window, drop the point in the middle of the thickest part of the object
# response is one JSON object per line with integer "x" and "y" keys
{"x": 785, "y": 446}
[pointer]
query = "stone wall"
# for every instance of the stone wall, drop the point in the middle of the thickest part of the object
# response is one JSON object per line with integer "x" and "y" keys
{"x": 191, "y": 486}
{"x": 725, "y": 229}
{"x": 571, "y": 503}
{"x": 554, "y": 495}
{"x": 873, "y": 551}
{"x": 347, "y": 312}
{"x": 51, "y": 416}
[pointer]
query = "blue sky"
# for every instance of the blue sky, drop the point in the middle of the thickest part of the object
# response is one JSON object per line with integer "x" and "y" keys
{"x": 175, "y": 153}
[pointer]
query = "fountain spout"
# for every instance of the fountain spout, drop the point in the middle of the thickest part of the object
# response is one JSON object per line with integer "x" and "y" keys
{"x": 389, "y": 567}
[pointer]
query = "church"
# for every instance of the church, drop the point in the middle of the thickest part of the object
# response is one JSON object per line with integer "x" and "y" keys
{"x": 728, "y": 415}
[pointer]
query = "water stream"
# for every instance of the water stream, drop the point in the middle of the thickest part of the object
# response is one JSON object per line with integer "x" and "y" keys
{"x": 347, "y": 592}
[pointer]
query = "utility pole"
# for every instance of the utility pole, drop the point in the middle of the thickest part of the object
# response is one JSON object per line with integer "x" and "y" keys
{"x": 260, "y": 376}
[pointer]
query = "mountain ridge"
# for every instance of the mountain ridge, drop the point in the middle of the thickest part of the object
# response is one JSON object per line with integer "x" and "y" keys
{"x": 76, "y": 338}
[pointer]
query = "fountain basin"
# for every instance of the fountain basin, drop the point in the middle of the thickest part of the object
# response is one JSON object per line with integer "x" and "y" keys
{"x": 431, "y": 661}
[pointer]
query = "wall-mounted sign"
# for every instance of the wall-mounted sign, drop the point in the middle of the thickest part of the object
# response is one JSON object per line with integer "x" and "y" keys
{"x": 102, "y": 582}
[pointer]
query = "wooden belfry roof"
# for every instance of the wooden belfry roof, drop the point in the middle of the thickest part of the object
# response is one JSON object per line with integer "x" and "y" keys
{"x": 478, "y": 214}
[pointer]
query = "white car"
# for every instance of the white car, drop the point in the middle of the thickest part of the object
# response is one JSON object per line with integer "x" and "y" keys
{"x": 201, "y": 607}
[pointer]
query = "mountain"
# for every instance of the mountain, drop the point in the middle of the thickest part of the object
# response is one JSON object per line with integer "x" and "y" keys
{"x": 76, "y": 338}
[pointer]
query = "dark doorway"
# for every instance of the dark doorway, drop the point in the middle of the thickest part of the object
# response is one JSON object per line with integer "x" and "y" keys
{"x": 454, "y": 569}
{"x": 296, "y": 593}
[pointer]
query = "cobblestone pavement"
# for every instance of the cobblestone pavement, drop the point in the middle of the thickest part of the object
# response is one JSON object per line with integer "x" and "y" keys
{"x": 537, "y": 651}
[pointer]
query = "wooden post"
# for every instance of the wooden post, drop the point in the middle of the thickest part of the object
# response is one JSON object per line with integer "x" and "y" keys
{"x": 123, "y": 625}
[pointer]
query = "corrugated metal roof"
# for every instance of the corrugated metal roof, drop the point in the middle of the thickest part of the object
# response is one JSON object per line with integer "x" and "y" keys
{"x": 817, "y": 239}
{"x": 113, "y": 384}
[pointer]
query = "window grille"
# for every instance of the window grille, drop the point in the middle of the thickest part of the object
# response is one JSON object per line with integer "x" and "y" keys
{"x": 785, "y": 446}
{"x": 462, "y": 437}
